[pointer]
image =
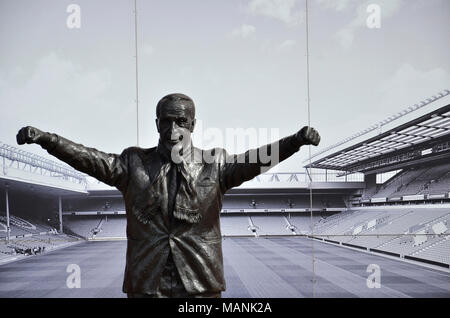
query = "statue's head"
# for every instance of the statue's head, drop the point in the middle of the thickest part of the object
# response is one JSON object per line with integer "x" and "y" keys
{"x": 175, "y": 121}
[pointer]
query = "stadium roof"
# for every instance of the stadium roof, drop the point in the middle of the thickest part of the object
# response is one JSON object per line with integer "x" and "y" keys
{"x": 425, "y": 137}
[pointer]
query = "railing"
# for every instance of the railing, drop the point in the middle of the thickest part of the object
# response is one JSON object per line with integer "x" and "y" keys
{"x": 305, "y": 177}
{"x": 37, "y": 164}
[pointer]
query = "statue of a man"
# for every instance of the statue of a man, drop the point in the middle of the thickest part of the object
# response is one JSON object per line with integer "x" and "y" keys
{"x": 173, "y": 196}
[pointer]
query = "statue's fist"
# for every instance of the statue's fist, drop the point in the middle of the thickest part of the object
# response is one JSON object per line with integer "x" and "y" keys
{"x": 308, "y": 136}
{"x": 28, "y": 135}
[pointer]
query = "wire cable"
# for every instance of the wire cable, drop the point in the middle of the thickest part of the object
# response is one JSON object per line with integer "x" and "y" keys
{"x": 137, "y": 72}
{"x": 309, "y": 148}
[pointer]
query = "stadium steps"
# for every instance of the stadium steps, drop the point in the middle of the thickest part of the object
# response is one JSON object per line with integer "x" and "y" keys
{"x": 413, "y": 185}
{"x": 438, "y": 186}
{"x": 270, "y": 225}
{"x": 399, "y": 225}
{"x": 393, "y": 184}
{"x": 112, "y": 227}
{"x": 289, "y": 226}
{"x": 439, "y": 251}
{"x": 252, "y": 227}
{"x": 235, "y": 225}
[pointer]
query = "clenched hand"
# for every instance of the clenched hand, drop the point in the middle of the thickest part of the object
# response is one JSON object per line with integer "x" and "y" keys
{"x": 29, "y": 135}
{"x": 308, "y": 136}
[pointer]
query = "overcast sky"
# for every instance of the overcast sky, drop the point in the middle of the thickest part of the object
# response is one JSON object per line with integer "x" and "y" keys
{"x": 242, "y": 61}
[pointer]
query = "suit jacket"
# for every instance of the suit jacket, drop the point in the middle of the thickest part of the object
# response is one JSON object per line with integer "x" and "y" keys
{"x": 194, "y": 236}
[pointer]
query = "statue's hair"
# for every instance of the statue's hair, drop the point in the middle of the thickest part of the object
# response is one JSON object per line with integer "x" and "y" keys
{"x": 173, "y": 99}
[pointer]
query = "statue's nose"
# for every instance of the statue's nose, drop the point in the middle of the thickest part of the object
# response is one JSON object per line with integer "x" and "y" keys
{"x": 174, "y": 134}
{"x": 173, "y": 126}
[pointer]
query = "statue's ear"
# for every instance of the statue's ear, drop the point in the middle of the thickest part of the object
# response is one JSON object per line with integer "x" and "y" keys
{"x": 194, "y": 121}
{"x": 157, "y": 124}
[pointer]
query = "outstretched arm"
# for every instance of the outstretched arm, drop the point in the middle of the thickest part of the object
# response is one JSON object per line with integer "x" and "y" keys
{"x": 108, "y": 168}
{"x": 236, "y": 169}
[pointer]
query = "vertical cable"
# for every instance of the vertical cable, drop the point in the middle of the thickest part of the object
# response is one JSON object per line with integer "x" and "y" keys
{"x": 137, "y": 80}
{"x": 309, "y": 149}
{"x": 8, "y": 228}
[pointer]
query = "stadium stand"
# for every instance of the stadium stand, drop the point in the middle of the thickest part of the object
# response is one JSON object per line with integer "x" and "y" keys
{"x": 94, "y": 205}
{"x": 270, "y": 224}
{"x": 414, "y": 232}
{"x": 5, "y": 251}
{"x": 281, "y": 202}
{"x": 83, "y": 226}
{"x": 21, "y": 227}
{"x": 96, "y": 226}
{"x": 303, "y": 222}
{"x": 33, "y": 245}
{"x": 438, "y": 251}
{"x": 409, "y": 214}
{"x": 112, "y": 226}
{"x": 396, "y": 183}
{"x": 422, "y": 180}
{"x": 439, "y": 183}
{"x": 232, "y": 225}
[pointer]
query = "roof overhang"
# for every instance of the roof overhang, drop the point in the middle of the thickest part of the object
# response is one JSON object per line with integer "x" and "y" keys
{"x": 426, "y": 138}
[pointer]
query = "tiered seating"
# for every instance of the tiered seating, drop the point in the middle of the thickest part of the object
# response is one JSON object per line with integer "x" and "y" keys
{"x": 415, "y": 184}
{"x": 82, "y": 225}
{"x": 389, "y": 224}
{"x": 266, "y": 224}
{"x": 393, "y": 231}
{"x": 34, "y": 244}
{"x": 4, "y": 249}
{"x": 41, "y": 227}
{"x": 95, "y": 205}
{"x": 231, "y": 224}
{"x": 347, "y": 223}
{"x": 19, "y": 226}
{"x": 405, "y": 245}
{"x": 331, "y": 220}
{"x": 439, "y": 251}
{"x": 282, "y": 202}
{"x": 56, "y": 240}
{"x": 271, "y": 225}
{"x": 439, "y": 183}
{"x": 427, "y": 180}
{"x": 396, "y": 183}
{"x": 302, "y": 222}
{"x": 236, "y": 203}
{"x": 234, "y": 225}
{"x": 15, "y": 231}
{"x": 113, "y": 226}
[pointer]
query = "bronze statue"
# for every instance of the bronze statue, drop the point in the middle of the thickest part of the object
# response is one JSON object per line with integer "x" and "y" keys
{"x": 173, "y": 196}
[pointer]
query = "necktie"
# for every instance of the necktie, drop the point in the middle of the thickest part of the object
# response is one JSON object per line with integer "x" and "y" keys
{"x": 172, "y": 189}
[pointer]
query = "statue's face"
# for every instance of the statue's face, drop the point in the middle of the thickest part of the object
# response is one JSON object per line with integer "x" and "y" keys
{"x": 175, "y": 125}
